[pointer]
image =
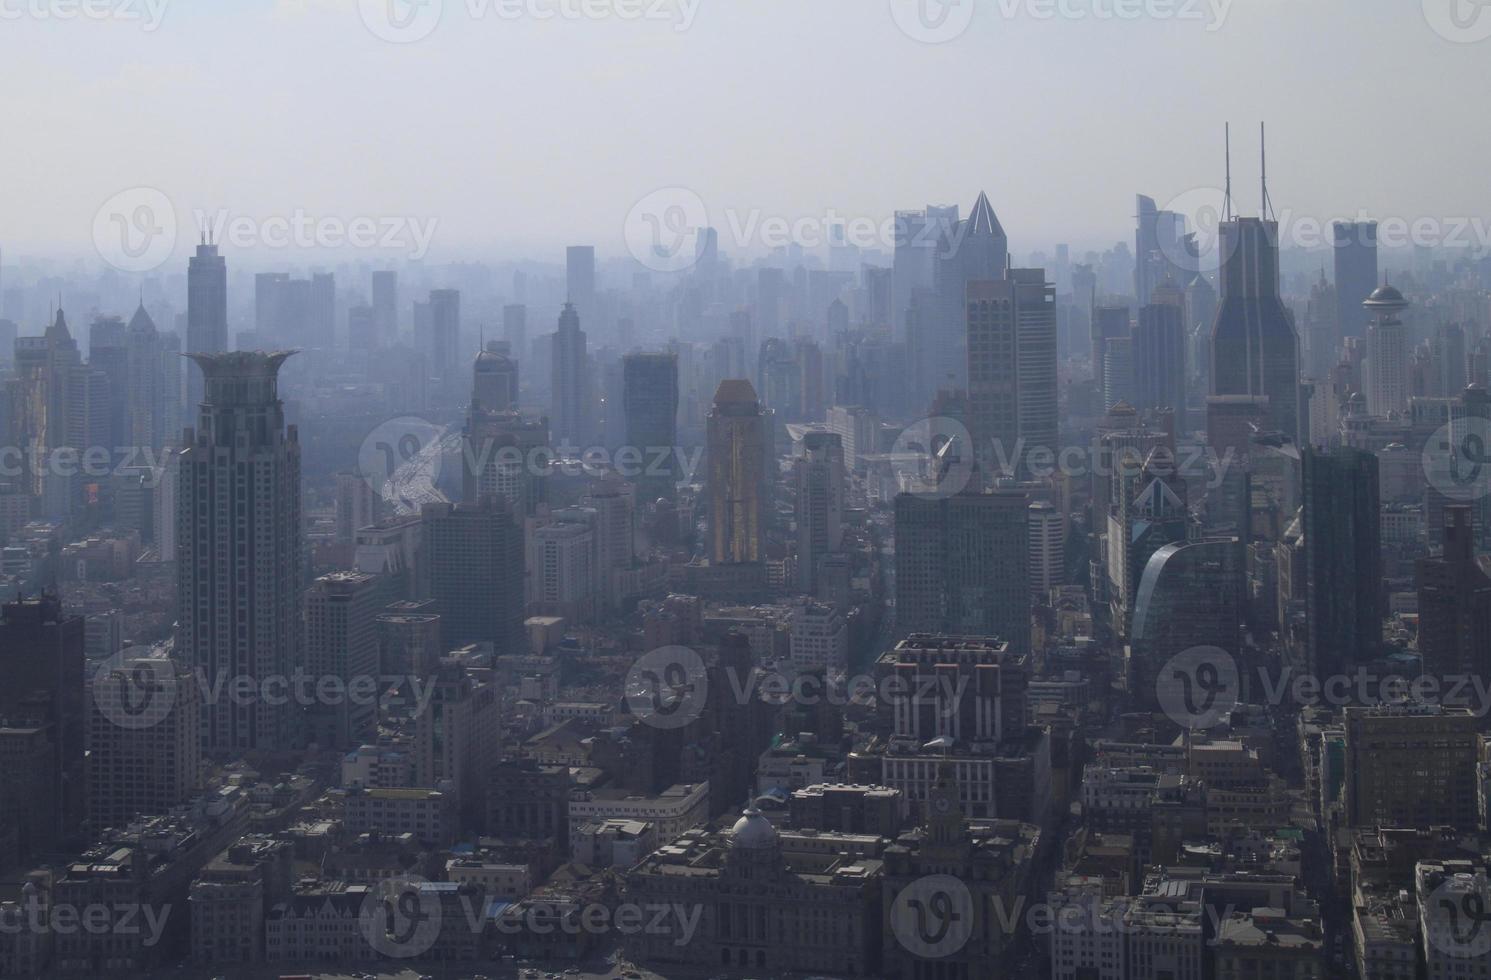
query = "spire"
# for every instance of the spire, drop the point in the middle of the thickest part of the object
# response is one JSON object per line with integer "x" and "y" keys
{"x": 1227, "y": 194}
{"x": 1263, "y": 150}
{"x": 983, "y": 220}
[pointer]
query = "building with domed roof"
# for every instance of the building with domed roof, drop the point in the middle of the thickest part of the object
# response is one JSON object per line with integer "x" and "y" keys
{"x": 767, "y": 901}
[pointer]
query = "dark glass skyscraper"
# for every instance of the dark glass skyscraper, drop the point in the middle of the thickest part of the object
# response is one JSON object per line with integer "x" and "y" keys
{"x": 650, "y": 401}
{"x": 1356, "y": 274}
{"x": 1343, "y": 558}
{"x": 1255, "y": 350}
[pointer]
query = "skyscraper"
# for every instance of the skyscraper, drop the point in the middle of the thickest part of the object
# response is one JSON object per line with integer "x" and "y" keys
{"x": 385, "y": 287}
{"x": 206, "y": 311}
{"x": 571, "y": 418}
{"x": 1159, "y": 353}
{"x": 1343, "y": 560}
{"x": 341, "y": 641}
{"x": 819, "y": 475}
{"x": 974, "y": 249}
{"x": 1011, "y": 344}
{"x": 152, "y": 407}
{"x": 1356, "y": 274}
{"x": 961, "y": 565}
{"x": 1386, "y": 367}
{"x": 474, "y": 553}
{"x": 738, "y": 485}
{"x": 1254, "y": 348}
{"x": 494, "y": 385}
{"x": 41, "y": 659}
{"x": 650, "y": 401}
{"x": 1162, "y": 249}
{"x": 1190, "y": 595}
{"x": 579, "y": 281}
{"x": 1454, "y": 595}
{"x": 445, "y": 334}
{"x": 515, "y": 329}
{"x": 239, "y": 551}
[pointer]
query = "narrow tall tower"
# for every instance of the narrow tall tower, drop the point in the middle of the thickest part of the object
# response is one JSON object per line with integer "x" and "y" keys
{"x": 238, "y": 552}
{"x": 206, "y": 311}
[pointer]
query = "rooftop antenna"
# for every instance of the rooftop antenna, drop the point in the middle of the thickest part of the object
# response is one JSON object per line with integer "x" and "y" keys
{"x": 1268, "y": 206}
{"x": 1227, "y": 195}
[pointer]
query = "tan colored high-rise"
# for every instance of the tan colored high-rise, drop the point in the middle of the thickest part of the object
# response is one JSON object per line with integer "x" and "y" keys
{"x": 738, "y": 485}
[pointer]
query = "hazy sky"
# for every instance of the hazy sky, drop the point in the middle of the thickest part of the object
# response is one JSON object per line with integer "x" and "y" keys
{"x": 520, "y": 134}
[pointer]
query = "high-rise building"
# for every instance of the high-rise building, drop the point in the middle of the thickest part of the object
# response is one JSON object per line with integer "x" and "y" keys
{"x": 579, "y": 282}
{"x": 819, "y": 476}
{"x": 570, "y": 390}
{"x": 385, "y": 308}
{"x": 650, "y": 401}
{"x": 1148, "y": 512}
{"x": 1386, "y": 367}
{"x": 562, "y": 570}
{"x": 1356, "y": 274}
{"x": 1190, "y": 595}
{"x": 961, "y": 565}
{"x": 206, "y": 312}
{"x": 1011, "y": 370}
{"x": 976, "y": 248}
{"x": 109, "y": 356}
{"x": 341, "y": 643}
{"x": 1163, "y": 251}
{"x": 737, "y": 444}
{"x": 1047, "y": 560}
{"x": 142, "y": 769}
{"x": 41, "y": 659}
{"x": 1411, "y": 765}
{"x": 494, "y": 381}
{"x": 444, "y": 340}
{"x": 474, "y": 557}
{"x": 1118, "y": 372}
{"x": 152, "y": 405}
{"x": 1454, "y": 595}
{"x": 1159, "y": 358}
{"x": 1254, "y": 349}
{"x": 1343, "y": 560}
{"x": 515, "y": 329}
{"x": 239, "y": 551}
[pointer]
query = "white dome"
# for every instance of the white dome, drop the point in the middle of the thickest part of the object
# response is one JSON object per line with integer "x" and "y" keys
{"x": 753, "y": 830}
